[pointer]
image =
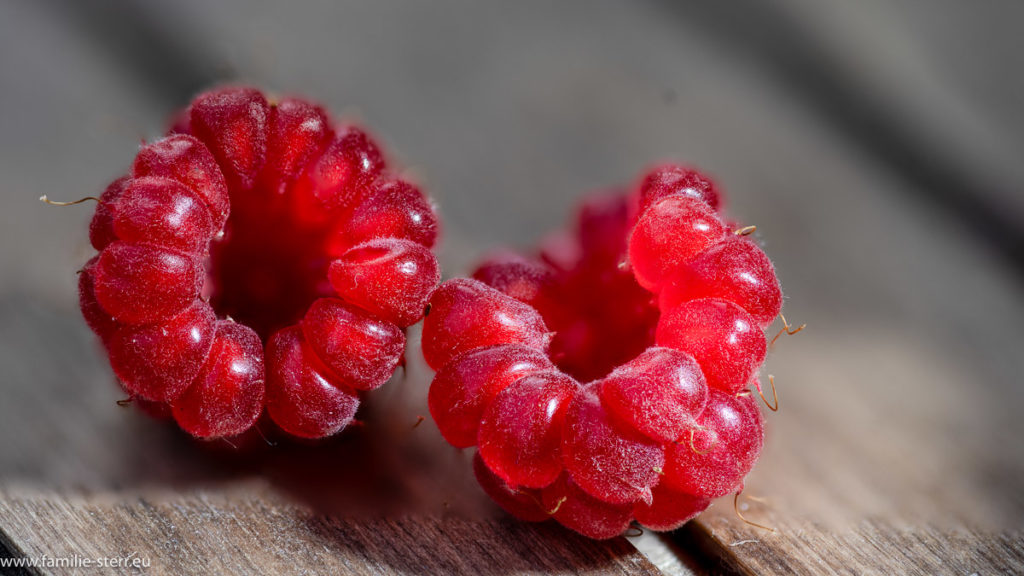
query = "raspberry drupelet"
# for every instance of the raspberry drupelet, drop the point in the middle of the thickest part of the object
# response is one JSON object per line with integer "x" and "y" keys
{"x": 258, "y": 258}
{"x": 605, "y": 379}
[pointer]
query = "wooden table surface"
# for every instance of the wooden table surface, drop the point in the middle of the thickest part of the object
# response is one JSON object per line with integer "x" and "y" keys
{"x": 880, "y": 161}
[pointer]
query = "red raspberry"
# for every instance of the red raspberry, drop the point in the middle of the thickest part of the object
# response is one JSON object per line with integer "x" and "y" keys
{"x": 659, "y": 393}
{"x": 523, "y": 503}
{"x": 260, "y": 214}
{"x": 466, "y": 385}
{"x": 612, "y": 463}
{"x": 669, "y": 509}
{"x": 660, "y": 308}
{"x": 521, "y": 430}
{"x": 575, "y": 509}
{"x": 721, "y": 450}
{"x": 671, "y": 179}
{"x": 467, "y": 314}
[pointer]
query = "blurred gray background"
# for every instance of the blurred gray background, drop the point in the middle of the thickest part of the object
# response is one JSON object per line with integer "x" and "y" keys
{"x": 878, "y": 147}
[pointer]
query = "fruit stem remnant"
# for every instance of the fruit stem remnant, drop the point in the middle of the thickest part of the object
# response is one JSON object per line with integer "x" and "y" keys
{"x": 775, "y": 395}
{"x": 736, "y": 508}
{"x": 46, "y": 200}
{"x": 787, "y": 328}
{"x": 694, "y": 448}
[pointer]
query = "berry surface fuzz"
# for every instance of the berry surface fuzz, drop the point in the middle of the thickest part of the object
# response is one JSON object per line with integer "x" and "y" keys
{"x": 604, "y": 379}
{"x": 258, "y": 259}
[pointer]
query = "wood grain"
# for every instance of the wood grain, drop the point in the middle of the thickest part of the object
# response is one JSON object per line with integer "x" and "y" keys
{"x": 249, "y": 529}
{"x": 896, "y": 449}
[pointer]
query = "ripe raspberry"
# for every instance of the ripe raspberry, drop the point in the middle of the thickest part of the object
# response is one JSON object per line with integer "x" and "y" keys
{"x": 669, "y": 509}
{"x": 467, "y": 314}
{"x": 523, "y": 503}
{"x": 261, "y": 213}
{"x": 724, "y": 338}
{"x": 521, "y": 430}
{"x": 723, "y": 449}
{"x": 579, "y": 511}
{"x": 661, "y": 310}
{"x": 466, "y": 385}
{"x": 659, "y": 393}
{"x": 611, "y": 463}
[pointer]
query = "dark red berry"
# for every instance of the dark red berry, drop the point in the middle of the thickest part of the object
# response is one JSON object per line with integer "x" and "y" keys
{"x": 467, "y": 385}
{"x": 581, "y": 512}
{"x": 655, "y": 303}
{"x": 521, "y": 430}
{"x": 724, "y": 447}
{"x": 242, "y": 207}
{"x": 725, "y": 340}
{"x": 226, "y": 397}
{"x": 303, "y": 398}
{"x": 467, "y": 314}
{"x": 523, "y": 503}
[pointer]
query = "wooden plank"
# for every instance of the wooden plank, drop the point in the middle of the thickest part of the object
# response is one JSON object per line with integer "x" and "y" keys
{"x": 250, "y": 529}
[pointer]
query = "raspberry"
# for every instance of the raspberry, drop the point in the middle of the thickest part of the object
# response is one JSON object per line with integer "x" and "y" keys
{"x": 669, "y": 509}
{"x": 611, "y": 463}
{"x": 466, "y": 385}
{"x": 579, "y": 511}
{"x": 285, "y": 227}
{"x": 523, "y": 503}
{"x": 521, "y": 430}
{"x": 660, "y": 393}
{"x": 724, "y": 338}
{"x": 722, "y": 450}
{"x": 653, "y": 303}
{"x": 467, "y": 314}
